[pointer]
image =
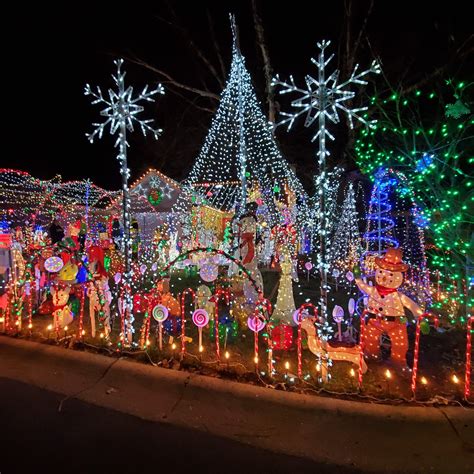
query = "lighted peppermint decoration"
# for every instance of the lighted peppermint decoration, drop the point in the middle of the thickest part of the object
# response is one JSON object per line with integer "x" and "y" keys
{"x": 160, "y": 313}
{"x": 200, "y": 318}
{"x": 53, "y": 264}
{"x": 255, "y": 323}
{"x": 209, "y": 272}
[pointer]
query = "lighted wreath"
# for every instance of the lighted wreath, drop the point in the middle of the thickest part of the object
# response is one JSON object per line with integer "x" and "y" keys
{"x": 155, "y": 197}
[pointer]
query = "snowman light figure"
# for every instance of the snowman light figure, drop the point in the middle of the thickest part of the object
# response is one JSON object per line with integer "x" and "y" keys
{"x": 386, "y": 306}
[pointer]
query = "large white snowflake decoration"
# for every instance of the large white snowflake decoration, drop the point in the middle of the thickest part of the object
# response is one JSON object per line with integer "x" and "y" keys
{"x": 324, "y": 96}
{"x": 121, "y": 108}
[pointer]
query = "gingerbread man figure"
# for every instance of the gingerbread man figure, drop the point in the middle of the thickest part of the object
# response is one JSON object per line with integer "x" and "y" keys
{"x": 386, "y": 307}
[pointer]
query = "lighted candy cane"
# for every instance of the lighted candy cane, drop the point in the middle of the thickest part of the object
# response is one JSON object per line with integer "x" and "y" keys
{"x": 29, "y": 295}
{"x": 467, "y": 378}
{"x": 81, "y": 311}
{"x": 187, "y": 291}
{"x": 145, "y": 330}
{"x": 256, "y": 324}
{"x": 268, "y": 307}
{"x": 417, "y": 348}
{"x": 160, "y": 314}
{"x": 218, "y": 295}
{"x": 298, "y": 317}
{"x": 361, "y": 346}
{"x": 200, "y": 319}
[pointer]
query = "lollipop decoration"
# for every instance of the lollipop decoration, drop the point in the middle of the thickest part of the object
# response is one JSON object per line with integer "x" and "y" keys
{"x": 200, "y": 319}
{"x": 351, "y": 309}
{"x": 160, "y": 314}
{"x": 308, "y": 266}
{"x": 338, "y": 316}
{"x": 53, "y": 264}
{"x": 336, "y": 273}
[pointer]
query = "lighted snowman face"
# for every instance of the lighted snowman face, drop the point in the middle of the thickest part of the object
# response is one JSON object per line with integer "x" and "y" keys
{"x": 388, "y": 279}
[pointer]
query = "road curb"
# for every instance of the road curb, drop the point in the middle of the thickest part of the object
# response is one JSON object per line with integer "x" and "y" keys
{"x": 367, "y": 436}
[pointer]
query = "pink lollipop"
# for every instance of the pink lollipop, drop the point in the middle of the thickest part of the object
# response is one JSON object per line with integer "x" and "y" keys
{"x": 200, "y": 318}
{"x": 255, "y": 323}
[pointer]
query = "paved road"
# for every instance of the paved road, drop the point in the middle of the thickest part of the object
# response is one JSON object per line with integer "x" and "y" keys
{"x": 84, "y": 438}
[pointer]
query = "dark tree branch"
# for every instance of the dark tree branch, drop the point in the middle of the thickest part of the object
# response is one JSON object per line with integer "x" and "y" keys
{"x": 185, "y": 33}
{"x": 172, "y": 81}
{"x": 216, "y": 44}
{"x": 267, "y": 68}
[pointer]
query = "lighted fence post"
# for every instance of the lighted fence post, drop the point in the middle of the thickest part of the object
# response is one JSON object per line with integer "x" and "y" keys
{"x": 185, "y": 292}
{"x": 467, "y": 378}
{"x": 417, "y": 349}
{"x": 361, "y": 346}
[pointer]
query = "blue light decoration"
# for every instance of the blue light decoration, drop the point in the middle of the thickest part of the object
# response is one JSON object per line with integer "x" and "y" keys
{"x": 424, "y": 163}
{"x": 380, "y": 224}
{"x": 419, "y": 218}
{"x": 4, "y": 226}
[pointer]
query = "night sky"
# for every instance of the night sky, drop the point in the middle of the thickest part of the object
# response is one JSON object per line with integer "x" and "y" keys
{"x": 52, "y": 51}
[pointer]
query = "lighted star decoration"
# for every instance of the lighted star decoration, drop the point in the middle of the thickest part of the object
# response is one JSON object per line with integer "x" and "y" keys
{"x": 164, "y": 187}
{"x": 324, "y": 97}
{"x": 121, "y": 108}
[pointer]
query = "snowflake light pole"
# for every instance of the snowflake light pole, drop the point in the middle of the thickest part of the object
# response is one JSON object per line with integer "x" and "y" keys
{"x": 120, "y": 112}
{"x": 324, "y": 99}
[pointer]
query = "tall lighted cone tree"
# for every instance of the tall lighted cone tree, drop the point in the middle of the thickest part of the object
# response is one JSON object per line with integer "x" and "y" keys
{"x": 322, "y": 101}
{"x": 346, "y": 243}
{"x": 240, "y": 152}
{"x": 120, "y": 113}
